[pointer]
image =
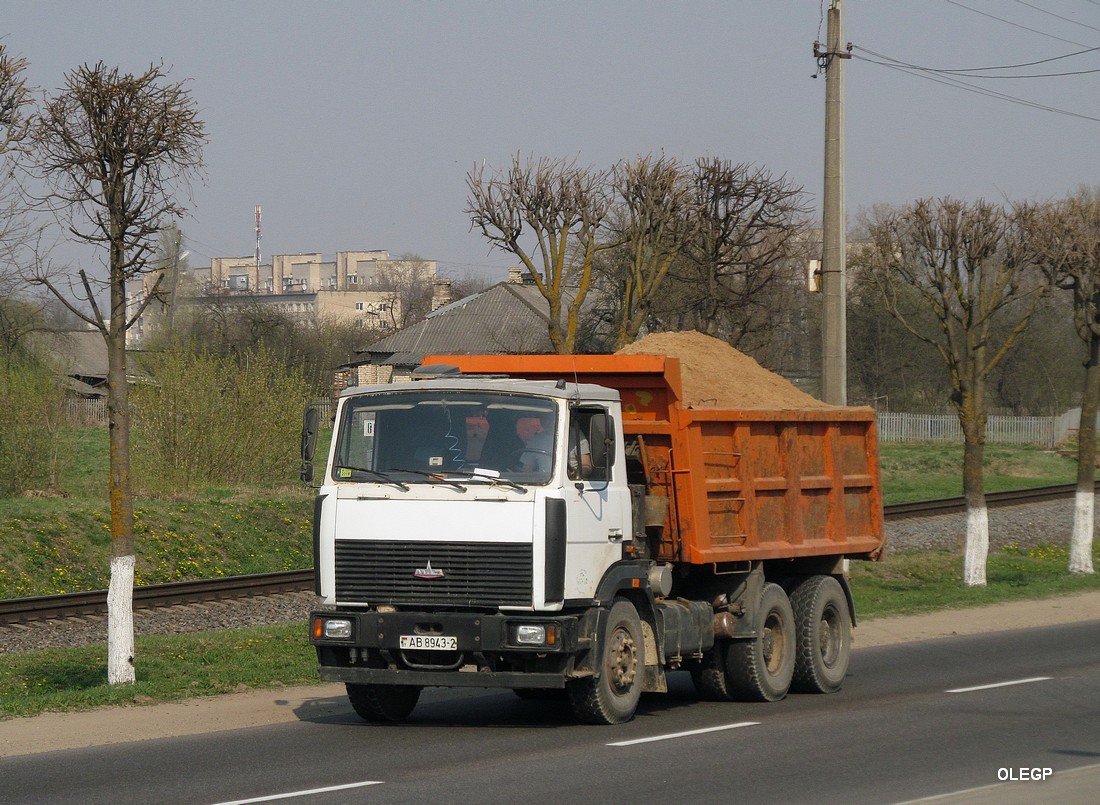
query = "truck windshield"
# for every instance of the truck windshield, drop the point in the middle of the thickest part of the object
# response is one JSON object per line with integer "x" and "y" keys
{"x": 411, "y": 437}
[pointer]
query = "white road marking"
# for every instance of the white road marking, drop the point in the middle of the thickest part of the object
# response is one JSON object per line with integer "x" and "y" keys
{"x": 1000, "y": 684}
{"x": 307, "y": 793}
{"x": 670, "y": 736}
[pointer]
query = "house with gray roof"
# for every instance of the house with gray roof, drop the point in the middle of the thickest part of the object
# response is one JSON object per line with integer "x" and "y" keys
{"x": 507, "y": 318}
{"x": 78, "y": 355}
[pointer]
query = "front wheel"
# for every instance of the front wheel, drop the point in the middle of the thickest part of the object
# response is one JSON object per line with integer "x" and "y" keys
{"x": 612, "y": 696}
{"x": 383, "y": 702}
{"x": 760, "y": 669}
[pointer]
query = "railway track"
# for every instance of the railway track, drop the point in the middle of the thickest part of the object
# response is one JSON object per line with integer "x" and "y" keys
{"x": 44, "y": 607}
{"x": 18, "y": 610}
{"x": 928, "y": 508}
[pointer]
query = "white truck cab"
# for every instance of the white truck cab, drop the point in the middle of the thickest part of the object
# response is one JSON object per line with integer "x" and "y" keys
{"x": 452, "y": 493}
{"x": 473, "y": 532}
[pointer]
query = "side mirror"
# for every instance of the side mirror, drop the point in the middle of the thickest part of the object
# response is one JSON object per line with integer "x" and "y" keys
{"x": 310, "y": 421}
{"x": 601, "y": 443}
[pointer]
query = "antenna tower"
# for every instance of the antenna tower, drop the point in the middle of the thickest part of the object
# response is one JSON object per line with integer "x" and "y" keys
{"x": 258, "y": 217}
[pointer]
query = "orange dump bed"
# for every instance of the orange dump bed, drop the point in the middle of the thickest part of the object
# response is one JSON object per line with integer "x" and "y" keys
{"x": 741, "y": 483}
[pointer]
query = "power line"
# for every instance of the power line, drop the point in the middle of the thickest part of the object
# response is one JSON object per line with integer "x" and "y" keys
{"x": 1056, "y": 16}
{"x": 985, "y": 69}
{"x": 959, "y": 84}
{"x": 1015, "y": 24}
{"x": 971, "y": 72}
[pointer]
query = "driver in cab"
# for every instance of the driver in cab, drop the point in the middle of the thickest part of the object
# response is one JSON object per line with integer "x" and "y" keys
{"x": 537, "y": 454}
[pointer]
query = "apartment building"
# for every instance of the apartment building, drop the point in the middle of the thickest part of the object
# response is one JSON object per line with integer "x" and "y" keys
{"x": 359, "y": 287}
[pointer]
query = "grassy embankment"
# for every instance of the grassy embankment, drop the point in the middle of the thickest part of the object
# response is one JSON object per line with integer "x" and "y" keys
{"x": 53, "y": 545}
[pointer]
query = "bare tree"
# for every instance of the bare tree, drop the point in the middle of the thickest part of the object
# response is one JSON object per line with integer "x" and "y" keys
{"x": 967, "y": 265}
{"x": 752, "y": 230}
{"x": 15, "y": 101}
{"x": 110, "y": 147}
{"x": 548, "y": 213}
{"x": 1067, "y": 238}
{"x": 170, "y": 264}
{"x": 410, "y": 278}
{"x": 651, "y": 221}
{"x": 887, "y": 367}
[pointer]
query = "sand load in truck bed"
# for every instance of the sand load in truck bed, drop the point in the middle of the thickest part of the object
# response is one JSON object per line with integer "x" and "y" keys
{"x": 715, "y": 375}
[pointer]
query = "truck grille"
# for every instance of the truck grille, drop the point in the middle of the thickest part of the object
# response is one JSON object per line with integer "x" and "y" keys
{"x": 471, "y": 573}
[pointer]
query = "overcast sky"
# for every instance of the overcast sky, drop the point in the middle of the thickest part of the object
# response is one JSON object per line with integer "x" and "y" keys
{"x": 354, "y": 124}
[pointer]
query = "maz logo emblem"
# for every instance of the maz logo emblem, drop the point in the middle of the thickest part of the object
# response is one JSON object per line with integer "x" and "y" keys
{"x": 428, "y": 572}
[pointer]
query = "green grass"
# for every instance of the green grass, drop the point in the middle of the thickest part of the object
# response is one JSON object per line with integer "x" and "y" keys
{"x": 168, "y": 667}
{"x": 51, "y": 545}
{"x": 911, "y": 582}
{"x": 926, "y": 471}
{"x": 84, "y": 474}
{"x": 55, "y": 545}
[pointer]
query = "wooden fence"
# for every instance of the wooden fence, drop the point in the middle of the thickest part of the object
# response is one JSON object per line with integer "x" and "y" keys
{"x": 87, "y": 411}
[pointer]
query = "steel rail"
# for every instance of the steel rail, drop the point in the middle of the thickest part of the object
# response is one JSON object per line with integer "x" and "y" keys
{"x": 993, "y": 500}
{"x": 19, "y": 610}
{"x": 94, "y": 602}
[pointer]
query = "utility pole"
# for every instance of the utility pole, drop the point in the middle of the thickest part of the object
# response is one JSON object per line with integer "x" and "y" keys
{"x": 834, "y": 331}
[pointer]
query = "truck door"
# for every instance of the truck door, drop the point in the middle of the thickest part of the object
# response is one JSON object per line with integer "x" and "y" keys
{"x": 597, "y": 500}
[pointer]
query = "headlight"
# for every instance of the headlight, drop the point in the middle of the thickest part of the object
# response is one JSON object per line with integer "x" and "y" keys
{"x": 331, "y": 628}
{"x": 534, "y": 634}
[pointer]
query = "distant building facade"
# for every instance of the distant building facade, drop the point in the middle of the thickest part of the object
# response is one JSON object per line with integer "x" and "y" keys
{"x": 358, "y": 287}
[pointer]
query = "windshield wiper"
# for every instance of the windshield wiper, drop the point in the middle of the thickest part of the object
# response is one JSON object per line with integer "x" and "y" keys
{"x": 380, "y": 475}
{"x": 493, "y": 480}
{"x": 434, "y": 477}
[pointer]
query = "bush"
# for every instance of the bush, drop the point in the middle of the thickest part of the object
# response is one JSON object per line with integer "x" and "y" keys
{"x": 205, "y": 419}
{"x": 31, "y": 440}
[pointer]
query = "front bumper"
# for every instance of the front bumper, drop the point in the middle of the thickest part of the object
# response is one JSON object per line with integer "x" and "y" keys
{"x": 487, "y": 653}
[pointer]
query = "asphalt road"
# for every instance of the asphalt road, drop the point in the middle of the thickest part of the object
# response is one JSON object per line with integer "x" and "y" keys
{"x": 966, "y": 716}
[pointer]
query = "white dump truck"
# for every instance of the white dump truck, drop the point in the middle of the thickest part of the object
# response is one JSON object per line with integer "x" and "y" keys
{"x": 564, "y": 523}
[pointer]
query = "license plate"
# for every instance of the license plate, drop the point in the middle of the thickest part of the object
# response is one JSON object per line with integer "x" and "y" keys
{"x": 429, "y": 642}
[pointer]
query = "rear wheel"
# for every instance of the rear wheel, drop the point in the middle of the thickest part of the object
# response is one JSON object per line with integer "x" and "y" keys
{"x": 824, "y": 635}
{"x": 760, "y": 669}
{"x": 383, "y": 702}
{"x": 709, "y": 674}
{"x": 612, "y": 696}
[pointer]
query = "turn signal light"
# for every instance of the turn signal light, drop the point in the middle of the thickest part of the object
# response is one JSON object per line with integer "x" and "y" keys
{"x": 331, "y": 628}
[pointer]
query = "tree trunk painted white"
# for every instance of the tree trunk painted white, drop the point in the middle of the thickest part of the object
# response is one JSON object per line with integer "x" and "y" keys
{"x": 977, "y": 546}
{"x": 1080, "y": 544}
{"x": 120, "y": 621}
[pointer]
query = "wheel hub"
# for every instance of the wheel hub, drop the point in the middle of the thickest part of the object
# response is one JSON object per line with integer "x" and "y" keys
{"x": 622, "y": 660}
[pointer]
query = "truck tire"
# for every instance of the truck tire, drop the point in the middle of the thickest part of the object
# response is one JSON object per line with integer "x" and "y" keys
{"x": 824, "y": 635}
{"x": 383, "y": 702}
{"x": 760, "y": 669}
{"x": 612, "y": 696}
{"x": 709, "y": 674}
